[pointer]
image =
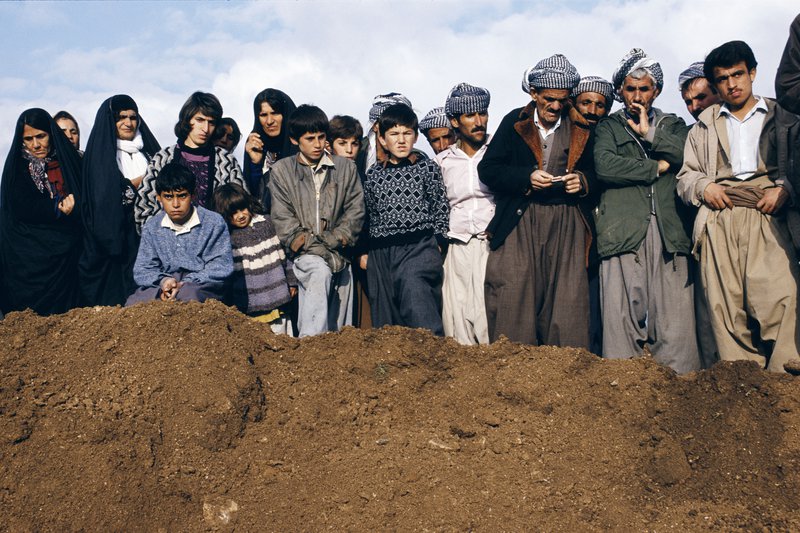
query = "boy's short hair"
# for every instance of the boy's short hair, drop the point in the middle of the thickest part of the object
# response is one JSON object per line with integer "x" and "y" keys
{"x": 198, "y": 102}
{"x": 726, "y": 56}
{"x": 397, "y": 115}
{"x": 231, "y": 197}
{"x": 307, "y": 119}
{"x": 345, "y": 127}
{"x": 173, "y": 177}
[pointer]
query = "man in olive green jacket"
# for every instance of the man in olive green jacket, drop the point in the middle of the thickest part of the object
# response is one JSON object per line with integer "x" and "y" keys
{"x": 643, "y": 230}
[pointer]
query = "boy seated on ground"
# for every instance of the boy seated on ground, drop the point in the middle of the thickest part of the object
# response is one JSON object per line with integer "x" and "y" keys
{"x": 185, "y": 252}
{"x": 408, "y": 218}
{"x": 318, "y": 210}
{"x": 344, "y": 136}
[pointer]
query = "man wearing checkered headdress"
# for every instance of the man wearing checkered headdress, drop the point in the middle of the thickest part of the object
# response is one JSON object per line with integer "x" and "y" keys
{"x": 643, "y": 231}
{"x": 537, "y": 166}
{"x": 471, "y": 209}
{"x": 696, "y": 92}
{"x": 436, "y": 129}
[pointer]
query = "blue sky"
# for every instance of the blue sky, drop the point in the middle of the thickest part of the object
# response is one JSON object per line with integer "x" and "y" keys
{"x": 338, "y": 54}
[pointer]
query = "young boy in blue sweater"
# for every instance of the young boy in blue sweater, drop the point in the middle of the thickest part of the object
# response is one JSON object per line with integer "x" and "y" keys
{"x": 185, "y": 252}
{"x": 408, "y": 215}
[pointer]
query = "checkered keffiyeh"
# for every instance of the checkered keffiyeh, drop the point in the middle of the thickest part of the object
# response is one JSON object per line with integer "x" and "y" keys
{"x": 382, "y": 101}
{"x": 434, "y": 119}
{"x": 594, "y": 84}
{"x": 554, "y": 72}
{"x": 465, "y": 99}
{"x": 633, "y": 60}
{"x": 695, "y": 70}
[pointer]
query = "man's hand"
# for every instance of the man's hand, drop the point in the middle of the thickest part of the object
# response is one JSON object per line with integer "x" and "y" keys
{"x": 298, "y": 242}
{"x": 773, "y": 200}
{"x": 254, "y": 148}
{"x": 67, "y": 204}
{"x": 169, "y": 288}
{"x": 541, "y": 180}
{"x": 643, "y": 126}
{"x": 663, "y": 166}
{"x": 714, "y": 197}
{"x": 572, "y": 183}
{"x": 362, "y": 261}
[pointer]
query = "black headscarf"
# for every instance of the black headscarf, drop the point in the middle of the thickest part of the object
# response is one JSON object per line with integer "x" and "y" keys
{"x": 102, "y": 182}
{"x": 39, "y": 246}
{"x": 61, "y": 149}
{"x": 281, "y": 144}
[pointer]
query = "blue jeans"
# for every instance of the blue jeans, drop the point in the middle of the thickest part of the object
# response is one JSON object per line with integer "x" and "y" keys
{"x": 324, "y": 298}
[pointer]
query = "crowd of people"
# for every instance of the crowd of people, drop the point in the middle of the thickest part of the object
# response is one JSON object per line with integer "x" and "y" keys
{"x": 571, "y": 226}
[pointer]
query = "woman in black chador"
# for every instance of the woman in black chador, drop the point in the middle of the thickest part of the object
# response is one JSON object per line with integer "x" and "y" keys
{"x": 268, "y": 142}
{"x": 119, "y": 148}
{"x": 40, "y": 229}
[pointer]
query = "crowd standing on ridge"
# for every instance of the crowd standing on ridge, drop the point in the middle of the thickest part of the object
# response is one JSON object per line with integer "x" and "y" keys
{"x": 617, "y": 232}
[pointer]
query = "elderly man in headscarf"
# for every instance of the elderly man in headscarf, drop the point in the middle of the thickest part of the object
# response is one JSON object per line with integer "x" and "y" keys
{"x": 436, "y": 129}
{"x": 643, "y": 231}
{"x": 537, "y": 167}
{"x": 696, "y": 92}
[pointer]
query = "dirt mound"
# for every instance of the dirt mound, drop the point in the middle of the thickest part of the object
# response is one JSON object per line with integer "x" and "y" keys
{"x": 190, "y": 417}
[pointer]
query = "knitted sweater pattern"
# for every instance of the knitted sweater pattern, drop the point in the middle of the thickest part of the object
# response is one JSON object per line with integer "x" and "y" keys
{"x": 202, "y": 255}
{"x": 405, "y": 202}
{"x": 262, "y": 274}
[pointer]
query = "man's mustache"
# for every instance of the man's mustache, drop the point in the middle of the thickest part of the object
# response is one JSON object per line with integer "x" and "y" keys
{"x": 476, "y": 129}
{"x": 592, "y": 116}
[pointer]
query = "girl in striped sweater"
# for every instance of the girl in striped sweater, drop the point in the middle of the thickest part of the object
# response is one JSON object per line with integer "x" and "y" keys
{"x": 262, "y": 285}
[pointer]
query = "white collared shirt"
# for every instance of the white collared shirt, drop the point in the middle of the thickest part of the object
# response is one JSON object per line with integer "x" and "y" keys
{"x": 471, "y": 201}
{"x": 744, "y": 136}
{"x": 186, "y": 227}
{"x": 545, "y": 133}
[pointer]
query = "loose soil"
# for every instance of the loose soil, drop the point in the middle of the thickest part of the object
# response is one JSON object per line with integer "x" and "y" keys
{"x": 189, "y": 417}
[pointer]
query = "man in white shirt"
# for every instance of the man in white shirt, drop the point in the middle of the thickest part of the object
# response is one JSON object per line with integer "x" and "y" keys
{"x": 735, "y": 170}
{"x": 471, "y": 210}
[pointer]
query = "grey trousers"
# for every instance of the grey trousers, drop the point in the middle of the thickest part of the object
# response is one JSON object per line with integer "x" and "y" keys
{"x": 405, "y": 285}
{"x": 648, "y": 300}
{"x": 188, "y": 292}
{"x": 324, "y": 299}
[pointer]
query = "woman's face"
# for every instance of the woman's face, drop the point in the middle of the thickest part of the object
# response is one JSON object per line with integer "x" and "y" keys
{"x": 37, "y": 142}
{"x": 270, "y": 120}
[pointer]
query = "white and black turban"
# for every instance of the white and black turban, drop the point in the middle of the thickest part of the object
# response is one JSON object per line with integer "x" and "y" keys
{"x": 382, "y": 101}
{"x": 434, "y": 119}
{"x": 465, "y": 99}
{"x": 695, "y": 70}
{"x": 634, "y": 60}
{"x": 554, "y": 72}
{"x": 594, "y": 84}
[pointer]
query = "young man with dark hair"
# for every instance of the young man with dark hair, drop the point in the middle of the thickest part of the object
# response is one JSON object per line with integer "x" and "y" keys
{"x": 318, "y": 210}
{"x": 471, "y": 210}
{"x": 211, "y": 165}
{"x": 185, "y": 252}
{"x": 735, "y": 170}
{"x": 408, "y": 221}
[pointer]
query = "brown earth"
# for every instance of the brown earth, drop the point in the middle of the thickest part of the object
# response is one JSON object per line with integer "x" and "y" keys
{"x": 189, "y": 417}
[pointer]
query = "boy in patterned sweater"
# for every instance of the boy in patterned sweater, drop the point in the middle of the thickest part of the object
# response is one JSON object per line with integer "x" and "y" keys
{"x": 408, "y": 215}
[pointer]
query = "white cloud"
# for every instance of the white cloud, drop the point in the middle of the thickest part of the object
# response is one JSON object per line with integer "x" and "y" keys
{"x": 340, "y": 54}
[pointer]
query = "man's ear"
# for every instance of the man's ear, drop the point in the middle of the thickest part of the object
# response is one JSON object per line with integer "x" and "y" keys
{"x": 294, "y": 141}
{"x": 454, "y": 123}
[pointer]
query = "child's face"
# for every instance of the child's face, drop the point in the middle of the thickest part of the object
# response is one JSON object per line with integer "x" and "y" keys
{"x": 346, "y": 147}
{"x": 398, "y": 141}
{"x": 311, "y": 145}
{"x": 241, "y": 218}
{"x": 177, "y": 204}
